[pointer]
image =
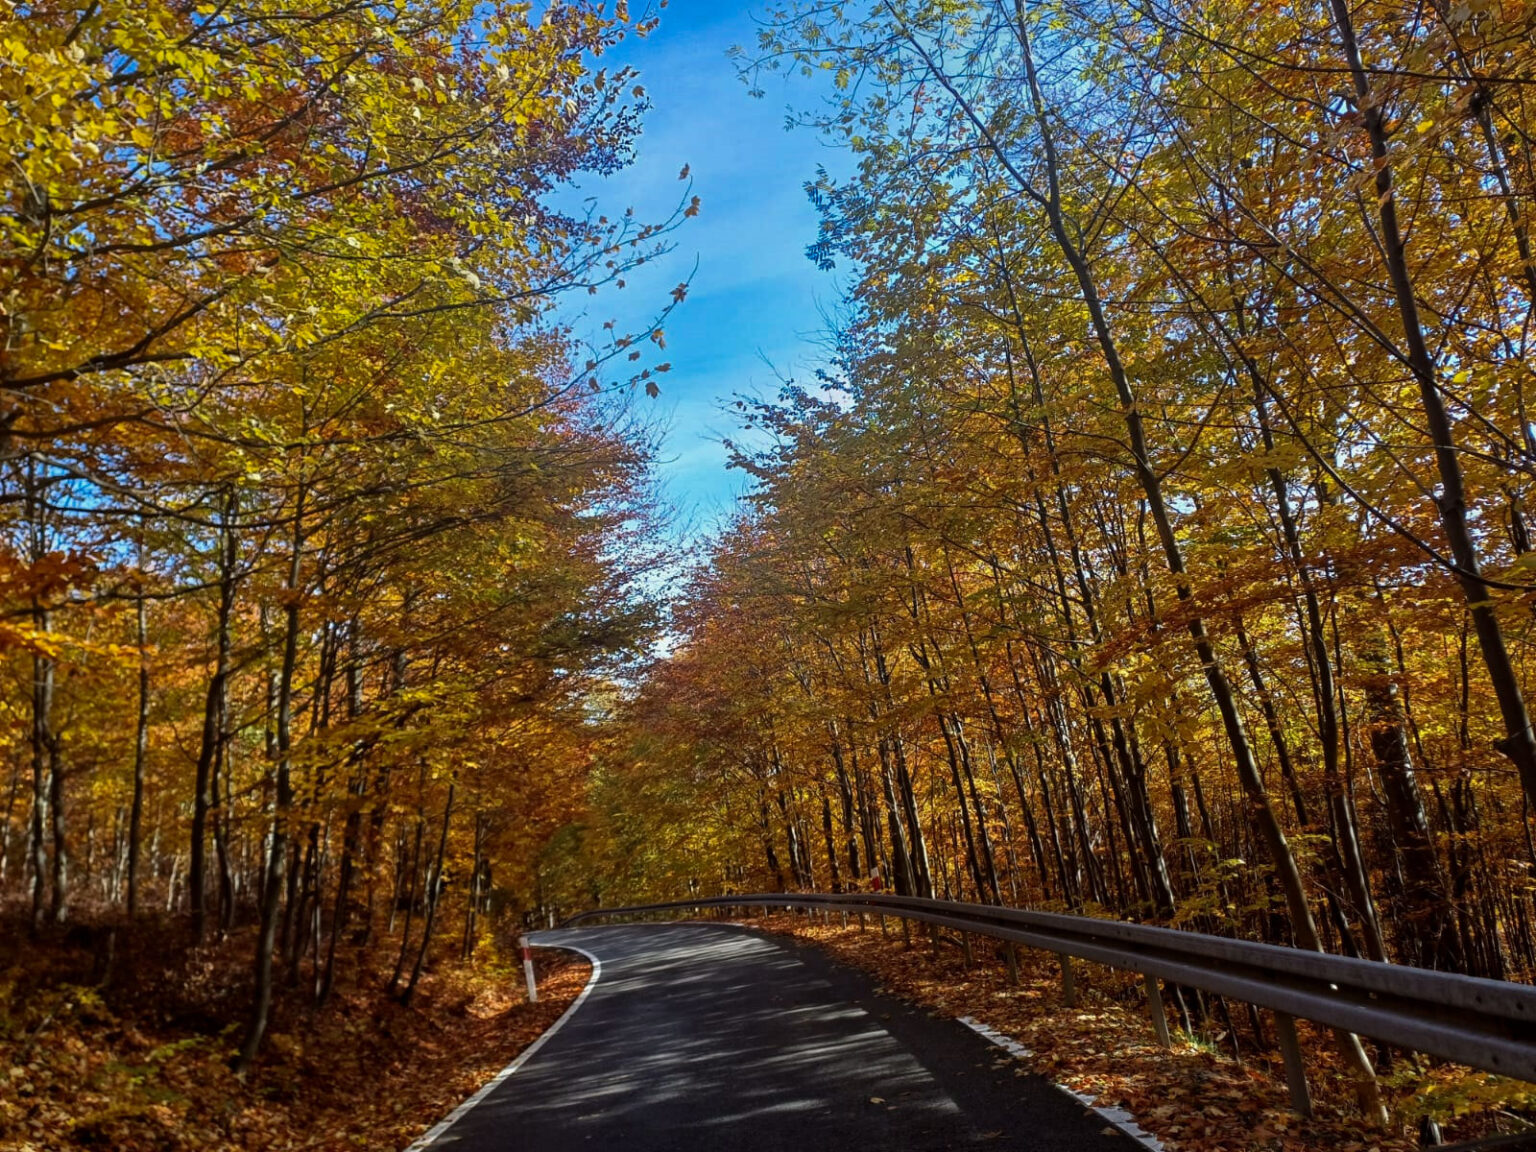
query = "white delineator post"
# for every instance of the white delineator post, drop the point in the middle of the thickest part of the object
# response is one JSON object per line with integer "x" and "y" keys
{"x": 533, "y": 984}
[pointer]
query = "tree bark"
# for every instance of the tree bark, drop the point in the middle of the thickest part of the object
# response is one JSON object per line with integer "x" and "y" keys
{"x": 140, "y": 749}
{"x": 282, "y": 808}
{"x": 213, "y": 734}
{"x": 434, "y": 894}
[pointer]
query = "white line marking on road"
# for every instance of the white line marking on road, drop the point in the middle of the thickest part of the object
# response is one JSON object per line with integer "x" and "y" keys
{"x": 1119, "y": 1117}
{"x": 434, "y": 1134}
{"x": 1012, "y": 1046}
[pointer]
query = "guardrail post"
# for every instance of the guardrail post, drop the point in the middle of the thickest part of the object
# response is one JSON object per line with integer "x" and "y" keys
{"x": 1068, "y": 981}
{"x": 1013, "y": 964}
{"x": 1159, "y": 1017}
{"x": 1295, "y": 1070}
{"x": 965, "y": 945}
{"x": 533, "y": 983}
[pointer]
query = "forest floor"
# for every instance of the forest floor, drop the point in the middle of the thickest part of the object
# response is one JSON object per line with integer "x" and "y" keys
{"x": 1197, "y": 1096}
{"x": 131, "y": 1053}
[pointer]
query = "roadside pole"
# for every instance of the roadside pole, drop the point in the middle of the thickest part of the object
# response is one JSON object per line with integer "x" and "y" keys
{"x": 533, "y": 984}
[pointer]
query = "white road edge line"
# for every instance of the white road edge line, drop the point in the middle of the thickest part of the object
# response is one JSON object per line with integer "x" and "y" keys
{"x": 1008, "y": 1043}
{"x": 1119, "y": 1117}
{"x": 434, "y": 1134}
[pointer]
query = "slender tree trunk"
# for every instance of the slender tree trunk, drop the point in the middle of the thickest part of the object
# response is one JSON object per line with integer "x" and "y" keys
{"x": 282, "y": 809}
{"x": 831, "y": 842}
{"x": 13, "y": 793}
{"x": 410, "y": 895}
{"x": 903, "y": 878}
{"x": 42, "y": 760}
{"x": 58, "y": 901}
{"x": 917, "y": 846}
{"x": 472, "y": 912}
{"x": 1426, "y": 931}
{"x": 846, "y": 794}
{"x": 222, "y": 816}
{"x": 42, "y": 737}
{"x": 352, "y": 827}
{"x": 140, "y": 750}
{"x": 434, "y": 894}
{"x": 770, "y": 854}
{"x": 214, "y": 707}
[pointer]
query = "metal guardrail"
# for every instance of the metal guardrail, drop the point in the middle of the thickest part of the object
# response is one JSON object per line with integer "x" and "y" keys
{"x": 1486, "y": 1024}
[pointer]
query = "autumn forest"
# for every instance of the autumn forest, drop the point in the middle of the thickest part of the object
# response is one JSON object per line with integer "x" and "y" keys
{"x": 1154, "y": 542}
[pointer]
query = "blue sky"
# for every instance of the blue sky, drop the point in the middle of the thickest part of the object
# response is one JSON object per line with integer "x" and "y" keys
{"x": 755, "y": 299}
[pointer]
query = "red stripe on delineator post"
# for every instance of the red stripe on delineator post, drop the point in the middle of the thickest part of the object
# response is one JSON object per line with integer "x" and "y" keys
{"x": 533, "y": 984}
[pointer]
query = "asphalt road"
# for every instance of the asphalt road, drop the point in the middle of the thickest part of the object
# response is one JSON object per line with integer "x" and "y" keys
{"x": 704, "y": 1037}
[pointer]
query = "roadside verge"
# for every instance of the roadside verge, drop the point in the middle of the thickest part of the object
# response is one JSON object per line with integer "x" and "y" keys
{"x": 561, "y": 992}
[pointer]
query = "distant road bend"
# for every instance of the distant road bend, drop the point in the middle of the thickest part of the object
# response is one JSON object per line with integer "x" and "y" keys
{"x": 709, "y": 1037}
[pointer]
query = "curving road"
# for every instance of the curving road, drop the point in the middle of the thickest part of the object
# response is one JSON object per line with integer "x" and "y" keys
{"x": 710, "y": 1037}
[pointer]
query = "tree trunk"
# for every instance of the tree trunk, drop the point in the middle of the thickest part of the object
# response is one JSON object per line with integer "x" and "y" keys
{"x": 433, "y": 895}
{"x": 213, "y": 734}
{"x": 410, "y": 895}
{"x": 472, "y": 912}
{"x": 282, "y": 809}
{"x": 140, "y": 751}
{"x": 12, "y": 794}
{"x": 42, "y": 769}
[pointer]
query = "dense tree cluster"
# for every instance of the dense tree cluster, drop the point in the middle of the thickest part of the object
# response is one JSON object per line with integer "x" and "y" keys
{"x": 318, "y": 530}
{"x": 1157, "y": 544}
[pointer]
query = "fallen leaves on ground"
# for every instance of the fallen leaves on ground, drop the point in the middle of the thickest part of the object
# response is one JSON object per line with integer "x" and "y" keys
{"x": 140, "y": 1061}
